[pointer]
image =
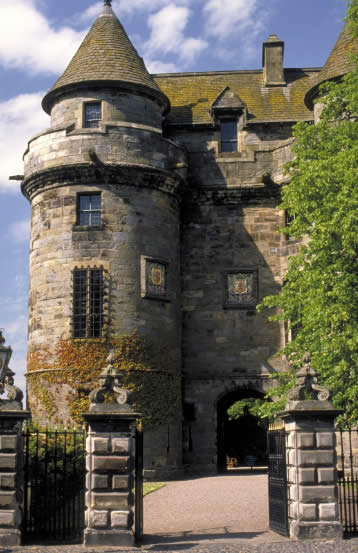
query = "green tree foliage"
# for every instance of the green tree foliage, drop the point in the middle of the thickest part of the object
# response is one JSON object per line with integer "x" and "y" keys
{"x": 319, "y": 300}
{"x": 250, "y": 406}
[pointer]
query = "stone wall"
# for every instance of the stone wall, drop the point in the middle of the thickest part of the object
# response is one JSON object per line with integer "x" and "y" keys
{"x": 117, "y": 106}
{"x": 113, "y": 143}
{"x": 230, "y": 223}
{"x": 211, "y": 230}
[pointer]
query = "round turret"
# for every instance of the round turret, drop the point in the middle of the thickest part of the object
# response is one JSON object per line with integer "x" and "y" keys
{"x": 337, "y": 65}
{"x": 104, "y": 186}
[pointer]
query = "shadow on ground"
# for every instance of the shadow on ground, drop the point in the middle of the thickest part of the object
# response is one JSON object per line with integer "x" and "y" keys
{"x": 163, "y": 541}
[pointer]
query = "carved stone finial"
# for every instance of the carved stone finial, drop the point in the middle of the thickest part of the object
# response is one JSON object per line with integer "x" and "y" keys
{"x": 108, "y": 3}
{"x": 110, "y": 381}
{"x": 2, "y": 339}
{"x": 307, "y": 386}
{"x": 13, "y": 392}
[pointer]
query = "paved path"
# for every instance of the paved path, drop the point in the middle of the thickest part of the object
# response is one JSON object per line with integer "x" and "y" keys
{"x": 338, "y": 546}
{"x": 224, "y": 508}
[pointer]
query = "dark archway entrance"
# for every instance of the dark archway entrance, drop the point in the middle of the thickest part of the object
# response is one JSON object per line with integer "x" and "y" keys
{"x": 242, "y": 438}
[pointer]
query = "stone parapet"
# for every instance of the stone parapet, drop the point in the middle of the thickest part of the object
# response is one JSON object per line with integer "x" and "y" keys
{"x": 311, "y": 474}
{"x": 11, "y": 476}
{"x": 110, "y": 479}
{"x": 113, "y": 144}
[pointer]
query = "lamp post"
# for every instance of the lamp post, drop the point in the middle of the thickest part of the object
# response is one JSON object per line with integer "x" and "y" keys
{"x": 5, "y": 354}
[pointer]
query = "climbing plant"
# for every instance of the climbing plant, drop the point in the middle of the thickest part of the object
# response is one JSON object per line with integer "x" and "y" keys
{"x": 148, "y": 371}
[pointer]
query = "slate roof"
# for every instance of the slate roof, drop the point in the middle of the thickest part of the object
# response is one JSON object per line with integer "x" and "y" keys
{"x": 108, "y": 56}
{"x": 191, "y": 95}
{"x": 338, "y": 64}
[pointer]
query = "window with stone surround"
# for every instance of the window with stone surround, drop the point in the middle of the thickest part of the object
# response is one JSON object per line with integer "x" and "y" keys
{"x": 89, "y": 209}
{"x": 228, "y": 135}
{"x": 88, "y": 303}
{"x": 92, "y": 115}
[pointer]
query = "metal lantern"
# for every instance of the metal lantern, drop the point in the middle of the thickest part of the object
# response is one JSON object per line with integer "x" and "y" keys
{"x": 5, "y": 354}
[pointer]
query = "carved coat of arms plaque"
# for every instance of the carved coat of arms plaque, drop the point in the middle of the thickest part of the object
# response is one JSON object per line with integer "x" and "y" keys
{"x": 241, "y": 288}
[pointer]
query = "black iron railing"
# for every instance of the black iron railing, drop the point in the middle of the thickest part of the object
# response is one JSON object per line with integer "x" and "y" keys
{"x": 138, "y": 508}
{"x": 348, "y": 479}
{"x": 277, "y": 480}
{"x": 54, "y": 469}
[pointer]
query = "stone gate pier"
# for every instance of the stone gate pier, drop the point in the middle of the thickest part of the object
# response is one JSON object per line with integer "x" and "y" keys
{"x": 110, "y": 457}
{"x": 311, "y": 460}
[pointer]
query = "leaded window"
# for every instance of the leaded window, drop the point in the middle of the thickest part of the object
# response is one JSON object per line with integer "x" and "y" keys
{"x": 92, "y": 115}
{"x": 89, "y": 209}
{"x": 88, "y": 313}
{"x": 228, "y": 135}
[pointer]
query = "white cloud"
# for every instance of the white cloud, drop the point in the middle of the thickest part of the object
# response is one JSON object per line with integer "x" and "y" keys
{"x": 20, "y": 118}
{"x": 156, "y": 66}
{"x": 15, "y": 329}
{"x": 28, "y": 41}
{"x": 89, "y": 14}
{"x": 124, "y": 7}
{"x": 16, "y": 335}
{"x": 224, "y": 17}
{"x": 168, "y": 34}
{"x": 20, "y": 230}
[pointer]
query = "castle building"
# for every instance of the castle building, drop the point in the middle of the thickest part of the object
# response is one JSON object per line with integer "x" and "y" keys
{"x": 154, "y": 207}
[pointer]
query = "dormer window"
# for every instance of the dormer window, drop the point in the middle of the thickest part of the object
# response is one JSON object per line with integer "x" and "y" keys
{"x": 228, "y": 135}
{"x": 229, "y": 115}
{"x": 92, "y": 115}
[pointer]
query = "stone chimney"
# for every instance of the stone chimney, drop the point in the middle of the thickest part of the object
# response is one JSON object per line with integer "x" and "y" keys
{"x": 272, "y": 61}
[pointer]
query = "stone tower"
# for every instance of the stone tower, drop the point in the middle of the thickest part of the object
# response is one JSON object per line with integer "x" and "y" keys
{"x": 339, "y": 63}
{"x": 104, "y": 187}
{"x": 154, "y": 208}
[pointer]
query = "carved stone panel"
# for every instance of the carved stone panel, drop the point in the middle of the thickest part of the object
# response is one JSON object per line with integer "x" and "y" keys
{"x": 241, "y": 288}
{"x": 154, "y": 278}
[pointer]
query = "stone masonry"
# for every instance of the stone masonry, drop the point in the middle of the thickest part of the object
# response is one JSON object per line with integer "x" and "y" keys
{"x": 311, "y": 460}
{"x": 175, "y": 196}
{"x": 311, "y": 469}
{"x": 11, "y": 475}
{"x": 110, "y": 481}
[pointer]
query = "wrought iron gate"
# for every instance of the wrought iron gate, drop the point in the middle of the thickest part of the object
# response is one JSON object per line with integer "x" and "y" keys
{"x": 138, "y": 512}
{"x": 348, "y": 480}
{"x": 277, "y": 480}
{"x": 54, "y": 486}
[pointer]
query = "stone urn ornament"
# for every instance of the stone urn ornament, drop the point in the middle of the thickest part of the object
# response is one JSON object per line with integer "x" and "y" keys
{"x": 110, "y": 383}
{"x": 7, "y": 383}
{"x": 308, "y": 394}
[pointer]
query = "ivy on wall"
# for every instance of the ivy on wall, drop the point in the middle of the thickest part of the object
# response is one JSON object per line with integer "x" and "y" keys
{"x": 148, "y": 371}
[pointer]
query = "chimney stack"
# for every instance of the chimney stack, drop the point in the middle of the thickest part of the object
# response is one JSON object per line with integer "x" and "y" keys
{"x": 272, "y": 61}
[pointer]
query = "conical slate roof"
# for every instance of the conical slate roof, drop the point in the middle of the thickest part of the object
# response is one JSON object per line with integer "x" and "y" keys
{"x": 338, "y": 64}
{"x": 105, "y": 57}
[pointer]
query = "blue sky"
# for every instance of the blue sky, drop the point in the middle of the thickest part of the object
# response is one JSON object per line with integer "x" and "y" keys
{"x": 38, "y": 39}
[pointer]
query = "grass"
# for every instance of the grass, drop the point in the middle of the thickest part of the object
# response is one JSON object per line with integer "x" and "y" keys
{"x": 149, "y": 487}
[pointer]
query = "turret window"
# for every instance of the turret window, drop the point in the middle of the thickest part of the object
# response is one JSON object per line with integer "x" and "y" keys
{"x": 92, "y": 115}
{"x": 228, "y": 135}
{"x": 88, "y": 310}
{"x": 89, "y": 209}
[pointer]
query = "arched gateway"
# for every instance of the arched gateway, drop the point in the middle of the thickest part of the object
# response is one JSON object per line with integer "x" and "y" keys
{"x": 240, "y": 441}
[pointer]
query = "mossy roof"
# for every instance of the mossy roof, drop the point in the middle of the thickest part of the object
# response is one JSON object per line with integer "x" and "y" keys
{"x": 106, "y": 55}
{"x": 338, "y": 64}
{"x": 191, "y": 95}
